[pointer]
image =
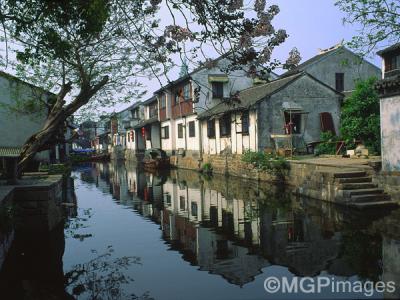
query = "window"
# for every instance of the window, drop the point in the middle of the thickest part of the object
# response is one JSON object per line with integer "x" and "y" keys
{"x": 129, "y": 137}
{"x": 339, "y": 82}
{"x": 163, "y": 101}
{"x": 292, "y": 123}
{"x": 132, "y": 134}
{"x": 176, "y": 97}
{"x": 168, "y": 199}
{"x": 225, "y": 125}
{"x": 194, "y": 209}
{"x": 211, "y": 128}
{"x": 153, "y": 110}
{"x": 192, "y": 129}
{"x": 148, "y": 133}
{"x": 165, "y": 132}
{"x": 245, "y": 122}
{"x": 217, "y": 89}
{"x": 135, "y": 113}
{"x": 392, "y": 63}
{"x": 182, "y": 202}
{"x": 180, "y": 131}
{"x": 186, "y": 92}
{"x": 182, "y": 93}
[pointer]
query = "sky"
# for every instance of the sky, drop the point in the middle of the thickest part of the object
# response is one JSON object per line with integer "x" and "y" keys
{"x": 311, "y": 25}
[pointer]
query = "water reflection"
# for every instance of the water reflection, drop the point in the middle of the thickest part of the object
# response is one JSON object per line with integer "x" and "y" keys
{"x": 236, "y": 228}
{"x": 235, "y": 232}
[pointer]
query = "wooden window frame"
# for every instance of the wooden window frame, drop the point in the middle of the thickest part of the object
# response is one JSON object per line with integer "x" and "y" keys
{"x": 180, "y": 130}
{"x": 211, "y": 128}
{"x": 192, "y": 129}
{"x": 225, "y": 122}
{"x": 165, "y": 132}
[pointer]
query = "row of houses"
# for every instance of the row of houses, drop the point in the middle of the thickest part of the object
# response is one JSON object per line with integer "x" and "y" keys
{"x": 208, "y": 111}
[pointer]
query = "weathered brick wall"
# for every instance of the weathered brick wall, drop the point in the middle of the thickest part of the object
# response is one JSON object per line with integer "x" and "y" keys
{"x": 234, "y": 166}
{"x": 38, "y": 207}
{"x": 390, "y": 183}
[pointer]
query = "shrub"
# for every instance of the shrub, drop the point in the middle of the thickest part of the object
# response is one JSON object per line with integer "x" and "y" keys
{"x": 207, "y": 169}
{"x": 270, "y": 163}
{"x": 361, "y": 116}
{"x": 327, "y": 145}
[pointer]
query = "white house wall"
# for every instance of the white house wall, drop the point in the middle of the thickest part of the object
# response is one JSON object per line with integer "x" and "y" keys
{"x": 191, "y": 143}
{"x": 237, "y": 142}
{"x": 169, "y": 143}
{"x": 16, "y": 128}
{"x": 390, "y": 132}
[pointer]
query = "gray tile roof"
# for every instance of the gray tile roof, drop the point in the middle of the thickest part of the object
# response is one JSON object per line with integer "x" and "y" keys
{"x": 251, "y": 96}
{"x": 389, "y": 49}
{"x": 10, "y": 151}
{"x": 146, "y": 122}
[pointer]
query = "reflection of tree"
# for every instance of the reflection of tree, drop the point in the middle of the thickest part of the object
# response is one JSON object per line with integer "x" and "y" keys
{"x": 73, "y": 224}
{"x": 103, "y": 277}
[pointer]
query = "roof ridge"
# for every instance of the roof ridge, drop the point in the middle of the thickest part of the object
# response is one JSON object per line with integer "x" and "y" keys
{"x": 273, "y": 81}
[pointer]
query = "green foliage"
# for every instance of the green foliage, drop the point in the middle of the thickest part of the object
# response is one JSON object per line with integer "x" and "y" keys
{"x": 361, "y": 116}
{"x": 270, "y": 163}
{"x": 327, "y": 145}
{"x": 207, "y": 168}
{"x": 53, "y": 169}
{"x": 379, "y": 20}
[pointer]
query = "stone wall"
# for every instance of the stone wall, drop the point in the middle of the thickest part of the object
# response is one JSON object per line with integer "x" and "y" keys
{"x": 38, "y": 207}
{"x": 390, "y": 183}
{"x": 234, "y": 166}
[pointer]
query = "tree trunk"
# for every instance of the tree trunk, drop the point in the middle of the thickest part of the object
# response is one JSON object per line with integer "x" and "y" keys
{"x": 56, "y": 119}
{"x": 34, "y": 144}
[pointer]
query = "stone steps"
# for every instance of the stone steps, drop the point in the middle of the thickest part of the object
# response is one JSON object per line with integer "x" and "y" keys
{"x": 376, "y": 204}
{"x": 349, "y": 174}
{"x": 369, "y": 198}
{"x": 357, "y": 186}
{"x": 358, "y": 190}
{"x": 355, "y": 179}
{"x": 363, "y": 192}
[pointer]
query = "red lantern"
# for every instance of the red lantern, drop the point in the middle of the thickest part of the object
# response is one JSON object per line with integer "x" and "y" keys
{"x": 143, "y": 132}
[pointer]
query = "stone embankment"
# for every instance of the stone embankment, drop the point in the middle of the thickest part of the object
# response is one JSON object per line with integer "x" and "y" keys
{"x": 350, "y": 182}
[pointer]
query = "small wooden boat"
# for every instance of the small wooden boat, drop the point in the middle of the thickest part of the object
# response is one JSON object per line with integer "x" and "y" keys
{"x": 155, "y": 159}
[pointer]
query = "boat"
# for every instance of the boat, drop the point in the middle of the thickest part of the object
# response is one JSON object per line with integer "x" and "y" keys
{"x": 155, "y": 159}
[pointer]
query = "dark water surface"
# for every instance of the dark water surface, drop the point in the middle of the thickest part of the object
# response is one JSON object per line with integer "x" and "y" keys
{"x": 184, "y": 236}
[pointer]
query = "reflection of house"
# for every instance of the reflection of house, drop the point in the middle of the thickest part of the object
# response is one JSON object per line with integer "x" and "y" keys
{"x": 297, "y": 242}
{"x": 221, "y": 226}
{"x": 285, "y": 109}
{"x": 221, "y": 246}
{"x": 389, "y": 90}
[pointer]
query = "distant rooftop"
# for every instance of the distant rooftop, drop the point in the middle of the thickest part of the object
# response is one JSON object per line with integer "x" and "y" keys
{"x": 389, "y": 49}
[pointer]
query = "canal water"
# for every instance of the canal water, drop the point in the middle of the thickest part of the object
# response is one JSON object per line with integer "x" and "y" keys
{"x": 128, "y": 234}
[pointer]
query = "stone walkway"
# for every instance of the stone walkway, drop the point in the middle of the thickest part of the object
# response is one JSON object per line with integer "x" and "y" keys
{"x": 339, "y": 162}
